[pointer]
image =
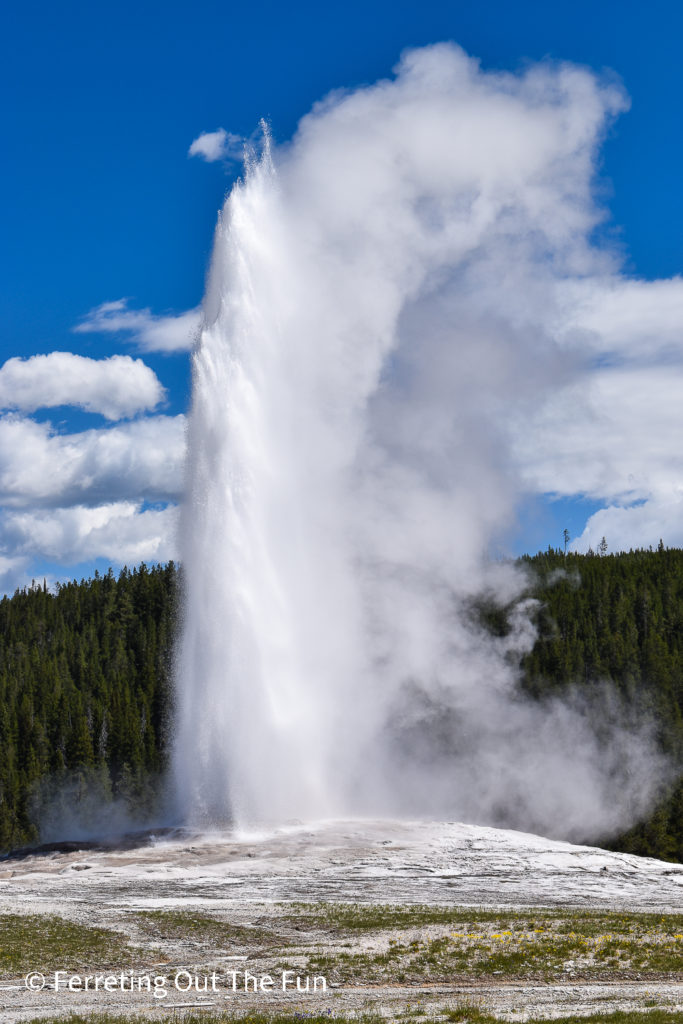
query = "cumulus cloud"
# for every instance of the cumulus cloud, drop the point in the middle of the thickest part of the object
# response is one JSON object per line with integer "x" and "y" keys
{"x": 73, "y": 497}
{"x": 121, "y": 531}
{"x": 117, "y": 387}
{"x": 625, "y": 319}
{"x": 42, "y": 468}
{"x": 636, "y": 526}
{"x": 218, "y": 145}
{"x": 149, "y": 332}
{"x": 612, "y": 433}
{"x": 70, "y": 498}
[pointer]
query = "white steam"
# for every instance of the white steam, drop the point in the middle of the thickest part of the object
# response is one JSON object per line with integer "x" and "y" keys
{"x": 379, "y": 311}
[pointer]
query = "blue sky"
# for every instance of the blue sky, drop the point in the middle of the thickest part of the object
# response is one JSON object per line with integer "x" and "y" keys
{"x": 101, "y": 201}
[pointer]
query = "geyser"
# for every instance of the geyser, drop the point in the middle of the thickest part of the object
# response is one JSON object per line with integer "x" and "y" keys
{"x": 379, "y": 315}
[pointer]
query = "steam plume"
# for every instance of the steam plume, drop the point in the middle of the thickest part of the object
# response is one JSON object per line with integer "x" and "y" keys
{"x": 380, "y": 310}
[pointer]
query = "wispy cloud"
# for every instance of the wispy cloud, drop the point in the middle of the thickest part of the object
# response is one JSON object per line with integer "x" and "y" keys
{"x": 117, "y": 387}
{"x": 151, "y": 333}
{"x": 218, "y": 145}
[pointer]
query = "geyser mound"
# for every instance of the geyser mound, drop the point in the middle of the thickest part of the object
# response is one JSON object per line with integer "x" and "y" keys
{"x": 378, "y": 318}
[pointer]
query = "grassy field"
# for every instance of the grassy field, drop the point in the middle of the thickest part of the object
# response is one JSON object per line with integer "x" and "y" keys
{"x": 462, "y": 1015}
{"x": 366, "y": 948}
{"x": 352, "y": 944}
{"x": 47, "y": 942}
{"x": 172, "y": 924}
{"x": 436, "y": 944}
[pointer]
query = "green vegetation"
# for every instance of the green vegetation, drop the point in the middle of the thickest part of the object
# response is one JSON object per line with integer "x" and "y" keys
{"x": 432, "y": 944}
{"x": 46, "y": 942}
{"x": 472, "y": 1015}
{"x": 375, "y": 917}
{"x": 540, "y": 955}
{"x": 389, "y": 945}
{"x": 85, "y": 695}
{"x": 179, "y": 924}
{"x": 462, "y": 1015}
{"x": 267, "y": 1018}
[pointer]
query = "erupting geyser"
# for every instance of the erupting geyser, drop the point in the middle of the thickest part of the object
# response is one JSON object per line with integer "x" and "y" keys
{"x": 378, "y": 322}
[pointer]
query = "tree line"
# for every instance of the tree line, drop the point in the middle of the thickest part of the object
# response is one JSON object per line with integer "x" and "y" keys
{"x": 86, "y": 696}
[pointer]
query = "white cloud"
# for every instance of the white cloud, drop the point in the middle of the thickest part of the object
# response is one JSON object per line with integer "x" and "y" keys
{"x": 137, "y": 461}
{"x": 121, "y": 531}
{"x": 614, "y": 434}
{"x": 149, "y": 332}
{"x": 218, "y": 145}
{"x": 117, "y": 387}
{"x": 13, "y": 573}
{"x": 75, "y": 497}
{"x": 638, "y": 526}
{"x": 71, "y": 498}
{"x": 627, "y": 319}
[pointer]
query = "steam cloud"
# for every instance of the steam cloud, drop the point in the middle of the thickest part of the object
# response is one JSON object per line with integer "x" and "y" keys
{"x": 378, "y": 329}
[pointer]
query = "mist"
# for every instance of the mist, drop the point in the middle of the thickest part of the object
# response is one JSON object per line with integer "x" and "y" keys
{"x": 380, "y": 326}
